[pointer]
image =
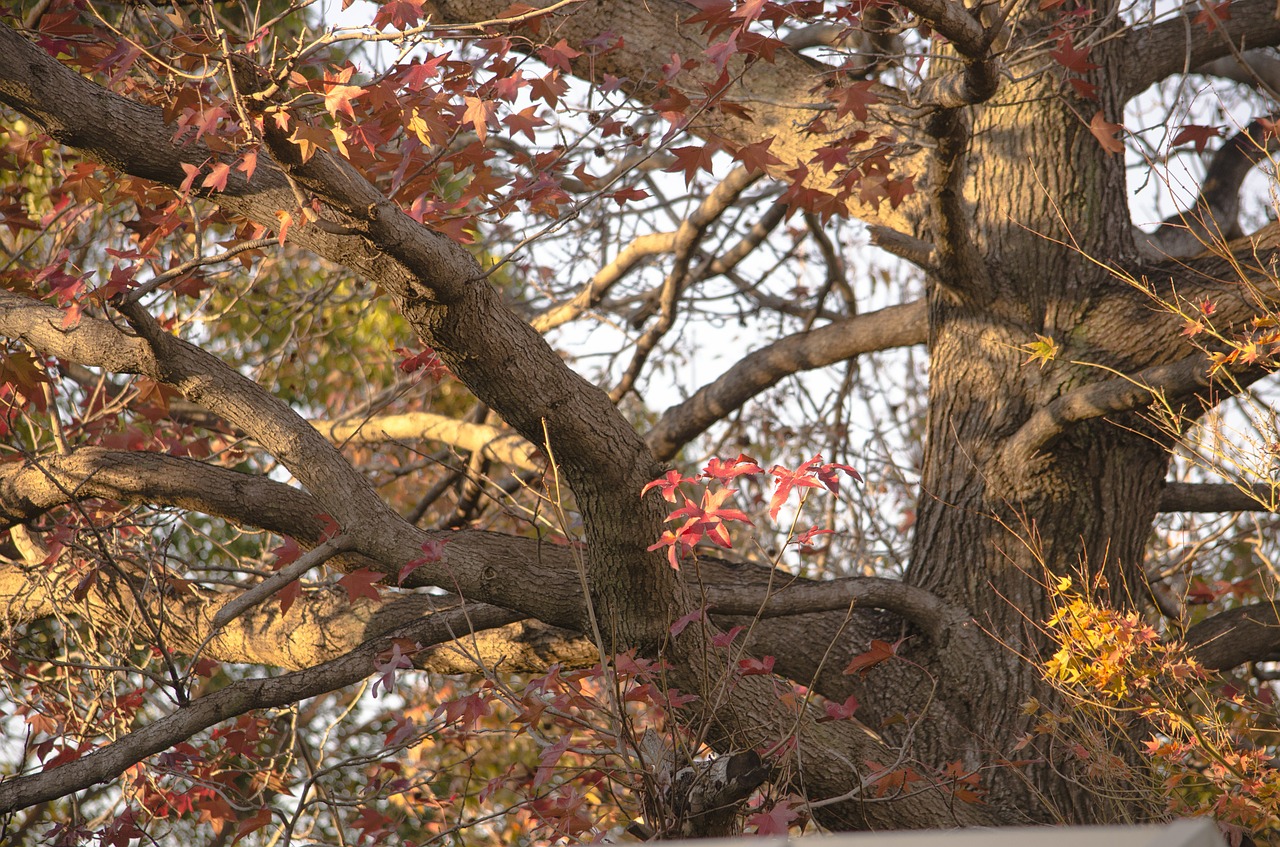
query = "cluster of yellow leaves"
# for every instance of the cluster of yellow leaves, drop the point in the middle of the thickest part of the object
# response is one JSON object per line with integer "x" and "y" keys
{"x": 1206, "y": 746}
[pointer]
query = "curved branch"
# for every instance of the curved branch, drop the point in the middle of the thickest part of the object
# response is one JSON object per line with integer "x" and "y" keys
{"x": 1151, "y": 53}
{"x": 1214, "y": 218}
{"x": 242, "y": 696}
{"x": 1159, "y": 384}
{"x": 895, "y": 326}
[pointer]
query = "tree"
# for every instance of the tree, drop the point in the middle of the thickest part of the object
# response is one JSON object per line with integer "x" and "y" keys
{"x": 220, "y": 221}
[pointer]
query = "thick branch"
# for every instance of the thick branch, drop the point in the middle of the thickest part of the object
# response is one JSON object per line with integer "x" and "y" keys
{"x": 109, "y": 762}
{"x": 1236, "y": 636}
{"x": 1218, "y": 497}
{"x": 492, "y": 442}
{"x": 1159, "y": 384}
{"x": 895, "y": 326}
{"x": 1149, "y": 54}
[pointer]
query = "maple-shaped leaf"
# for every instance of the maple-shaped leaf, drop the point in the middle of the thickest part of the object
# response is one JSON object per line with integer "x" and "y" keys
{"x": 525, "y": 121}
{"x": 1106, "y": 133}
{"x": 1070, "y": 58}
{"x": 478, "y": 113}
{"x": 361, "y": 583}
{"x": 690, "y": 160}
{"x": 724, "y": 471}
{"x": 287, "y": 553}
{"x": 624, "y": 196}
{"x": 338, "y": 93}
{"x": 23, "y": 371}
{"x": 1196, "y": 134}
{"x": 217, "y": 177}
{"x": 668, "y": 484}
{"x": 559, "y": 55}
{"x": 777, "y": 821}
{"x": 398, "y": 14}
{"x": 756, "y": 157}
{"x": 309, "y": 139}
{"x": 1043, "y": 350}
{"x": 854, "y": 98}
{"x": 880, "y": 651}
{"x": 708, "y": 517}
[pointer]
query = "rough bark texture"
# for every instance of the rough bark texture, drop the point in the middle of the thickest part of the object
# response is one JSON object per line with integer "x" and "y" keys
{"x": 1020, "y": 242}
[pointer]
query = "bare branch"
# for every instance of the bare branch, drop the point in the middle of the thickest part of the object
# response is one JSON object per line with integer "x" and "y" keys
{"x": 1219, "y": 497}
{"x": 895, "y": 326}
{"x": 1149, "y": 54}
{"x": 1236, "y": 636}
{"x": 1159, "y": 384}
{"x": 109, "y": 762}
{"x": 491, "y": 442}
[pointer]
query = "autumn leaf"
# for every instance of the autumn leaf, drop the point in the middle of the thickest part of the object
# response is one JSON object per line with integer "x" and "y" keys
{"x": 1106, "y": 133}
{"x": 1043, "y": 350}
{"x": 338, "y": 94}
{"x": 880, "y": 651}
{"x": 723, "y": 471}
{"x": 1070, "y": 58}
{"x": 1197, "y": 134}
{"x": 690, "y": 160}
{"x": 668, "y": 485}
{"x": 361, "y": 583}
{"x": 777, "y": 821}
{"x": 1213, "y": 14}
{"x": 756, "y": 157}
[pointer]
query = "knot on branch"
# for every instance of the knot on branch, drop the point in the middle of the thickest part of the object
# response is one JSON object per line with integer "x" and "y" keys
{"x": 698, "y": 799}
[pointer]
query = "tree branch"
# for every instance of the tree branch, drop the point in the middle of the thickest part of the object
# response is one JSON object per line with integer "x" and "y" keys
{"x": 1236, "y": 636}
{"x": 1151, "y": 53}
{"x": 242, "y": 696}
{"x": 894, "y": 326}
{"x": 1159, "y": 384}
{"x": 1219, "y": 497}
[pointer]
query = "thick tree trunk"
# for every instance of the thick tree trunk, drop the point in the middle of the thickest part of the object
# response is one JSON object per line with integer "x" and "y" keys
{"x": 990, "y": 536}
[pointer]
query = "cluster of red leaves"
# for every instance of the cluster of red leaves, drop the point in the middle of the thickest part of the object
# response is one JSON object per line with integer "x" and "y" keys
{"x": 707, "y": 518}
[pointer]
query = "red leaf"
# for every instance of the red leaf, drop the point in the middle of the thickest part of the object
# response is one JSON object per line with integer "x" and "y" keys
{"x": 559, "y": 55}
{"x": 1106, "y": 133}
{"x": 668, "y": 484}
{"x": 840, "y": 711}
{"x": 286, "y": 553}
{"x": 1070, "y": 58}
{"x": 433, "y": 552}
{"x": 1197, "y": 134}
{"x": 755, "y": 667}
{"x": 257, "y": 821}
{"x": 684, "y": 621}
{"x": 338, "y": 95}
{"x": 1214, "y": 14}
{"x": 776, "y": 821}
{"x": 725, "y": 471}
{"x": 361, "y": 584}
{"x": 288, "y": 595}
{"x": 756, "y": 157}
{"x": 880, "y": 651}
{"x": 690, "y": 160}
{"x": 854, "y": 98}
